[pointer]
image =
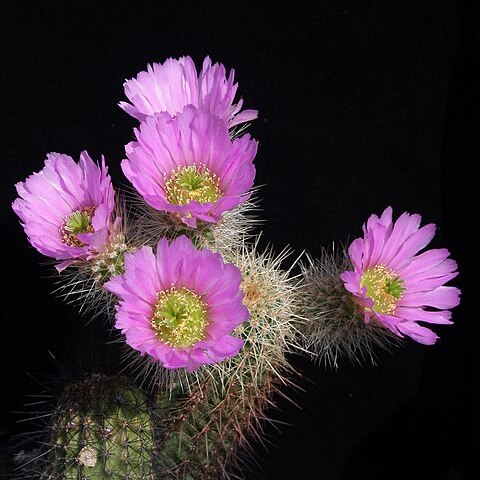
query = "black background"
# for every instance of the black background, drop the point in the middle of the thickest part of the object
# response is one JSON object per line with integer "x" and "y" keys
{"x": 362, "y": 105}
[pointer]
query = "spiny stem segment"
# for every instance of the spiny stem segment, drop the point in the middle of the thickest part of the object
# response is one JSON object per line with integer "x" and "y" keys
{"x": 102, "y": 429}
{"x": 202, "y": 433}
{"x": 333, "y": 325}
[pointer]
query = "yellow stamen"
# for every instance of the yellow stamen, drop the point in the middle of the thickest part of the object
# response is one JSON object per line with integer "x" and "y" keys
{"x": 179, "y": 317}
{"x": 384, "y": 287}
{"x": 192, "y": 182}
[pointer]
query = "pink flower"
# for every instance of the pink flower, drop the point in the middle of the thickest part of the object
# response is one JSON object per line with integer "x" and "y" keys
{"x": 170, "y": 86}
{"x": 188, "y": 165}
{"x": 179, "y": 305}
{"x": 66, "y": 208}
{"x": 394, "y": 284}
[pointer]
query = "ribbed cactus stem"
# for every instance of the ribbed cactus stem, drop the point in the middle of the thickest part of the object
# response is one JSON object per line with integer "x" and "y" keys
{"x": 102, "y": 429}
{"x": 202, "y": 434}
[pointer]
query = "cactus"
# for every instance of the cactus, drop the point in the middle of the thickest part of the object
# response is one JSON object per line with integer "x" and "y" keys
{"x": 200, "y": 425}
{"x": 207, "y": 433}
{"x": 203, "y": 423}
{"x": 101, "y": 429}
{"x": 333, "y": 327}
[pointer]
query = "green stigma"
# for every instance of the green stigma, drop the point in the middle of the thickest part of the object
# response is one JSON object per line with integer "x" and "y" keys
{"x": 384, "y": 287}
{"x": 179, "y": 317}
{"x": 79, "y": 221}
{"x": 192, "y": 183}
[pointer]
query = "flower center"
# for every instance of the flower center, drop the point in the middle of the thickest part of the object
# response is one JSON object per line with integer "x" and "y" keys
{"x": 79, "y": 221}
{"x": 384, "y": 287}
{"x": 193, "y": 182}
{"x": 179, "y": 317}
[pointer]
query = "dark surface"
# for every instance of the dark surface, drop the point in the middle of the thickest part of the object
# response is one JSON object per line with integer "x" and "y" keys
{"x": 362, "y": 105}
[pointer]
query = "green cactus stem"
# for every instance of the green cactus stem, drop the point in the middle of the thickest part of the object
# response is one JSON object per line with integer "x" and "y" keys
{"x": 102, "y": 429}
